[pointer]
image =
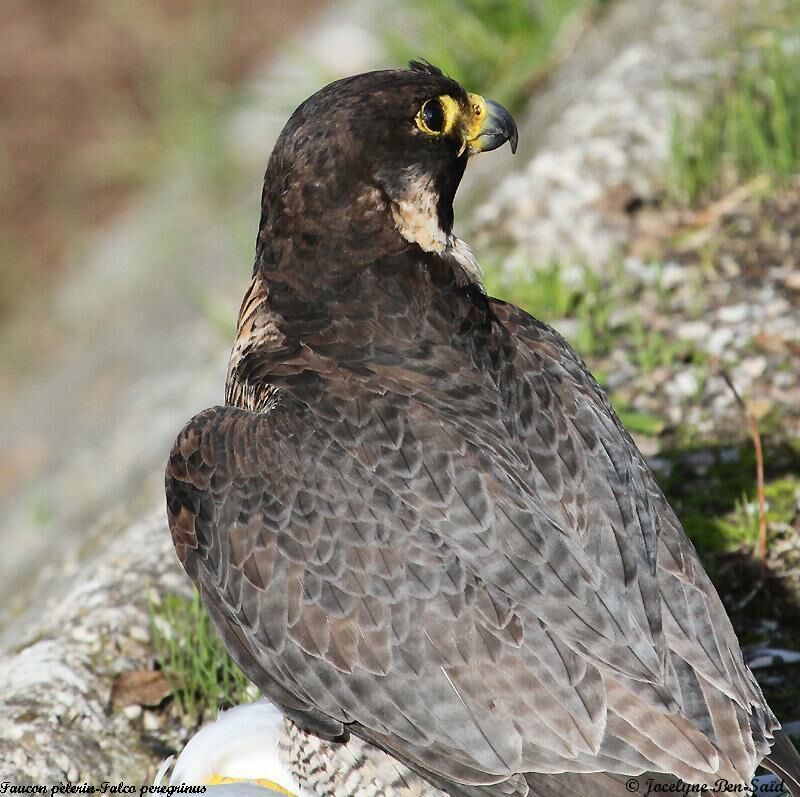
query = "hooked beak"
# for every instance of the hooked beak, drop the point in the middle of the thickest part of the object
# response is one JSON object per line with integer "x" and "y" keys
{"x": 490, "y": 126}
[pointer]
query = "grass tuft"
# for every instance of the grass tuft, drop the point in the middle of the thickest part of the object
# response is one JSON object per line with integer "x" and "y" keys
{"x": 751, "y": 126}
{"x": 203, "y": 676}
{"x": 643, "y": 423}
{"x": 655, "y": 349}
{"x": 549, "y": 295}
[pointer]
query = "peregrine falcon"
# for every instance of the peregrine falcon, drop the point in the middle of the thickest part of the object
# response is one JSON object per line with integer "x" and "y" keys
{"x": 417, "y": 520}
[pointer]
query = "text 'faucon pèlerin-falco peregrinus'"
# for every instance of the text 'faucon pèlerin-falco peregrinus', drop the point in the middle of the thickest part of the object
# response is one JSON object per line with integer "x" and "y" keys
{"x": 417, "y": 519}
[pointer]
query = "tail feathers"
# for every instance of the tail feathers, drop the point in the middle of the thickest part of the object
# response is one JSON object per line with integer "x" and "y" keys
{"x": 784, "y": 761}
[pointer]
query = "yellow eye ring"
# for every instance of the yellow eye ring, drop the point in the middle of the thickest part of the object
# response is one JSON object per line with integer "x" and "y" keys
{"x": 438, "y": 115}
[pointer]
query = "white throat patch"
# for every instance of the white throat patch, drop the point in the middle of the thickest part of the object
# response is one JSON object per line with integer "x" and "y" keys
{"x": 417, "y": 221}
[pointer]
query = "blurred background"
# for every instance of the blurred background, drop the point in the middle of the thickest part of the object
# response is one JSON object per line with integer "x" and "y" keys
{"x": 98, "y": 100}
{"x": 652, "y": 215}
{"x": 116, "y": 150}
{"x": 133, "y": 141}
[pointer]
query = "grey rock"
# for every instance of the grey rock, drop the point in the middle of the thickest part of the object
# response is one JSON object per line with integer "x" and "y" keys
{"x": 719, "y": 341}
{"x": 746, "y": 372}
{"x": 55, "y": 717}
{"x": 734, "y": 314}
{"x": 605, "y": 123}
{"x": 683, "y": 384}
{"x": 694, "y": 330}
{"x": 758, "y": 658}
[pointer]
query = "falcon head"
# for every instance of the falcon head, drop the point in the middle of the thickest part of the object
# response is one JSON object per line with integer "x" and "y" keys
{"x": 371, "y": 163}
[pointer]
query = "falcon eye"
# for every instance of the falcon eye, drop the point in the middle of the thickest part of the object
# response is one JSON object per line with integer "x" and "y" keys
{"x": 431, "y": 118}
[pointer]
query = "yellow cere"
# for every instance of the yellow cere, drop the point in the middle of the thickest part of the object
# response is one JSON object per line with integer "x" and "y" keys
{"x": 476, "y": 117}
{"x": 216, "y": 780}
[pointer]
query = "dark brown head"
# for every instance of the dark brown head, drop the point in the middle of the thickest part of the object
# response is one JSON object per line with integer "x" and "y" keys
{"x": 371, "y": 164}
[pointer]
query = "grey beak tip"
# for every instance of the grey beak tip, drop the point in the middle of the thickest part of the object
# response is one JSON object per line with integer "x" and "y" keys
{"x": 504, "y": 127}
{"x": 511, "y": 131}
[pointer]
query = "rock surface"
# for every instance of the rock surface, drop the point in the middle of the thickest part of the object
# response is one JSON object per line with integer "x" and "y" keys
{"x": 601, "y": 130}
{"x": 56, "y": 721}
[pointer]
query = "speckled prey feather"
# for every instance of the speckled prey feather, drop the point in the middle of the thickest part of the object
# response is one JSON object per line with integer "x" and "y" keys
{"x": 417, "y": 520}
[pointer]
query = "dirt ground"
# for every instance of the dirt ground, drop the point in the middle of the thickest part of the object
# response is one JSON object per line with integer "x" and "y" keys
{"x": 96, "y": 97}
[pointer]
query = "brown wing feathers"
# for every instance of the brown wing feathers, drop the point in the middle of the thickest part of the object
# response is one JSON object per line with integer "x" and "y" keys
{"x": 419, "y": 521}
{"x": 380, "y": 578}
